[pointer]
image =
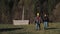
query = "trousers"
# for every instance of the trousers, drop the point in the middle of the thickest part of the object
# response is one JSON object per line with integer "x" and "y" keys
{"x": 45, "y": 24}
{"x": 37, "y": 26}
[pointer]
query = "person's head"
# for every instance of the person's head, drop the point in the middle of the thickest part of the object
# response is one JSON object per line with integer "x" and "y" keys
{"x": 37, "y": 14}
{"x": 45, "y": 15}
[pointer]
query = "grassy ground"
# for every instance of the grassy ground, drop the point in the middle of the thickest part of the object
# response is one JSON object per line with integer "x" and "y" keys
{"x": 54, "y": 28}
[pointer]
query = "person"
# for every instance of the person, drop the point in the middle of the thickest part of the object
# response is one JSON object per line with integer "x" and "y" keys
{"x": 45, "y": 21}
{"x": 37, "y": 20}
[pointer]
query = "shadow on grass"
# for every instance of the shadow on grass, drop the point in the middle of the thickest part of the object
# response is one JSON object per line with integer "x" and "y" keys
{"x": 9, "y": 29}
{"x": 52, "y": 28}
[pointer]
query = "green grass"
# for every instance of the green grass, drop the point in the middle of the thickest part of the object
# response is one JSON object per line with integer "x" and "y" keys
{"x": 30, "y": 29}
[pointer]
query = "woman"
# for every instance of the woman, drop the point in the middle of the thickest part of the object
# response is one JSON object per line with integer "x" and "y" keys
{"x": 37, "y": 20}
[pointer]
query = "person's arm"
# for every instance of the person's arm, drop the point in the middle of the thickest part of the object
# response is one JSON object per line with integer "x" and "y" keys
{"x": 41, "y": 19}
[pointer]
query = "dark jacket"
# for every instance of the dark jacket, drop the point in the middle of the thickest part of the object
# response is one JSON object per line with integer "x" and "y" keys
{"x": 46, "y": 19}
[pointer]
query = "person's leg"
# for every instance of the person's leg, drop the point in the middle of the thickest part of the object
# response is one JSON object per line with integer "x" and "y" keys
{"x": 36, "y": 26}
{"x": 45, "y": 25}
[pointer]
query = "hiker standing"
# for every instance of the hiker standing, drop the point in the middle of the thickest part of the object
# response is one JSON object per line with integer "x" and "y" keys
{"x": 37, "y": 20}
{"x": 45, "y": 21}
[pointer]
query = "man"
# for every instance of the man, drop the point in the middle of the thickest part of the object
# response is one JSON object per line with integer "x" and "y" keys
{"x": 45, "y": 21}
{"x": 37, "y": 20}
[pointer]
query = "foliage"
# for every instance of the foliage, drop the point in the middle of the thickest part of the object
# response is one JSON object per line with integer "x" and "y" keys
{"x": 12, "y": 9}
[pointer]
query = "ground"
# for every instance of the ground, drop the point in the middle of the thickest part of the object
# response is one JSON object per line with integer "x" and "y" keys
{"x": 54, "y": 28}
